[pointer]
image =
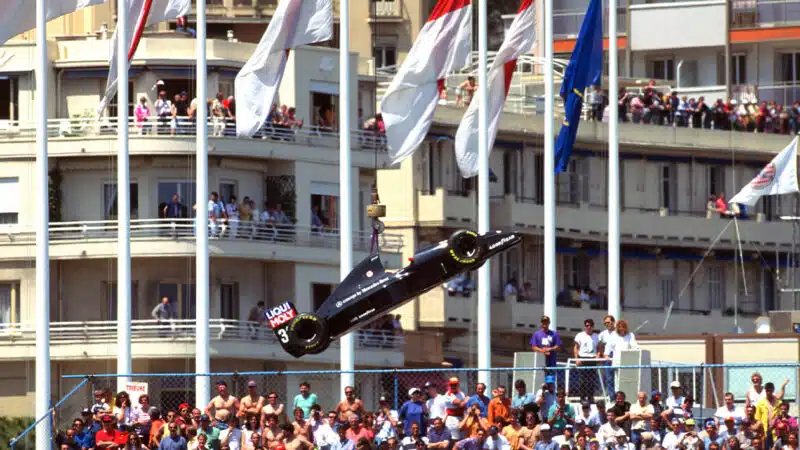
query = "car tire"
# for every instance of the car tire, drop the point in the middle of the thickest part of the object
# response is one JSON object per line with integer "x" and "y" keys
{"x": 464, "y": 247}
{"x": 309, "y": 332}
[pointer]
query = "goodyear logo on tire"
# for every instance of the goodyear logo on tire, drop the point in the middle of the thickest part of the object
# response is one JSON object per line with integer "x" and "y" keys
{"x": 301, "y": 318}
{"x": 459, "y": 259}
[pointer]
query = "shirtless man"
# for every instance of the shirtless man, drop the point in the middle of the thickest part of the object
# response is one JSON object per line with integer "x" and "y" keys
{"x": 292, "y": 442}
{"x": 273, "y": 435}
{"x": 222, "y": 402}
{"x": 251, "y": 403}
{"x": 301, "y": 426}
{"x": 272, "y": 406}
{"x": 350, "y": 405}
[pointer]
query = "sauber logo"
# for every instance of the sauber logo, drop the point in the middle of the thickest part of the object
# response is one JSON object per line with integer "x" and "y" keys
{"x": 279, "y": 315}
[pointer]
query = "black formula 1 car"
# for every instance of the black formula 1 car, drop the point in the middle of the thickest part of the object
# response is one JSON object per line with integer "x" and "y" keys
{"x": 369, "y": 291}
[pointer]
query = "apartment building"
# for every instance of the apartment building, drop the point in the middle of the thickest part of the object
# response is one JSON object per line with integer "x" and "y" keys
{"x": 679, "y": 270}
{"x": 759, "y": 38}
{"x": 297, "y": 261}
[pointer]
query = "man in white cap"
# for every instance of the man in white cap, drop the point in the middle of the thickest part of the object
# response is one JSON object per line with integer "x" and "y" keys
{"x": 546, "y": 442}
{"x": 436, "y": 403}
{"x": 454, "y": 402}
{"x": 622, "y": 441}
{"x": 676, "y": 399}
{"x": 413, "y": 411}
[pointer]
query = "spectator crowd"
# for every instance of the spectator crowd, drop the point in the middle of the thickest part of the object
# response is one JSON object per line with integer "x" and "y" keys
{"x": 438, "y": 416}
{"x": 650, "y": 106}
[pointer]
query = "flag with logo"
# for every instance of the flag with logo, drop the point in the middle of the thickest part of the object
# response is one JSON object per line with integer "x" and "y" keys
{"x": 518, "y": 41}
{"x": 19, "y": 16}
{"x": 443, "y": 45}
{"x": 141, "y": 14}
{"x": 295, "y": 23}
{"x": 777, "y": 177}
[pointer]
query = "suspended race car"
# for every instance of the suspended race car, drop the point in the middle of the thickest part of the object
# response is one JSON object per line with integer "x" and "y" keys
{"x": 369, "y": 291}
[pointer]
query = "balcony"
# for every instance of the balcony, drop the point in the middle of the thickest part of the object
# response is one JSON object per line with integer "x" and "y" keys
{"x": 386, "y": 11}
{"x": 764, "y": 14}
{"x": 175, "y": 237}
{"x": 639, "y": 226}
{"x": 176, "y": 339}
{"x": 93, "y": 137}
{"x": 447, "y": 208}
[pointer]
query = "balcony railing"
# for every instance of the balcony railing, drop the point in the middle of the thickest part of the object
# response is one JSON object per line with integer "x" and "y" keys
{"x": 387, "y": 9}
{"x": 171, "y": 330}
{"x": 567, "y": 23}
{"x": 770, "y": 13}
{"x": 183, "y": 230}
{"x": 153, "y": 127}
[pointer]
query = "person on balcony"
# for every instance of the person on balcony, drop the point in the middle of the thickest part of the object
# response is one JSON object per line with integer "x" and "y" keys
{"x": 232, "y": 211}
{"x": 142, "y": 113}
{"x": 162, "y": 314}
{"x": 163, "y": 110}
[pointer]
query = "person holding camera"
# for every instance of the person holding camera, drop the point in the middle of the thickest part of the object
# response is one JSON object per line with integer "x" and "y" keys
{"x": 473, "y": 422}
{"x": 561, "y": 414}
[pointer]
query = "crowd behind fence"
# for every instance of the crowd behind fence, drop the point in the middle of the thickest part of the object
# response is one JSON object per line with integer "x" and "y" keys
{"x": 683, "y": 392}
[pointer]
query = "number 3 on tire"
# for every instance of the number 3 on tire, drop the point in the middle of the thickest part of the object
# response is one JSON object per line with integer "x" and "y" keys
{"x": 283, "y": 335}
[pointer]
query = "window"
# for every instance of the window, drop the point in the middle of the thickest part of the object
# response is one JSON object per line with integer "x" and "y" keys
{"x": 324, "y": 107}
{"x": 567, "y": 183}
{"x": 716, "y": 287}
{"x": 739, "y": 68}
{"x": 9, "y": 201}
{"x": 384, "y": 56}
{"x": 538, "y": 169}
{"x": 9, "y": 93}
{"x": 9, "y": 303}
{"x": 320, "y": 292}
{"x": 668, "y": 289}
{"x": 111, "y": 300}
{"x": 510, "y": 177}
{"x": 181, "y": 299}
{"x": 110, "y": 201}
{"x": 327, "y": 208}
{"x": 575, "y": 271}
{"x": 666, "y": 198}
{"x": 229, "y": 301}
{"x": 112, "y": 105}
{"x": 662, "y": 69}
{"x": 716, "y": 180}
{"x": 788, "y": 70}
{"x": 226, "y": 190}
{"x": 186, "y": 191}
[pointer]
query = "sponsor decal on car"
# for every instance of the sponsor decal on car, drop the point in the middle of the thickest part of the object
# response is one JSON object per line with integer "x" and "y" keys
{"x": 502, "y": 241}
{"x": 362, "y": 291}
{"x": 280, "y": 314}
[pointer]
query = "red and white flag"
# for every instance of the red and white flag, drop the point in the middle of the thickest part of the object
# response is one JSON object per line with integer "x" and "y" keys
{"x": 141, "y": 14}
{"x": 519, "y": 40}
{"x": 443, "y": 45}
{"x": 776, "y": 178}
{"x": 295, "y": 23}
{"x": 19, "y": 16}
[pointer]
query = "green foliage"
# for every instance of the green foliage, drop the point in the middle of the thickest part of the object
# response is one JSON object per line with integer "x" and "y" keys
{"x": 54, "y": 191}
{"x": 10, "y": 427}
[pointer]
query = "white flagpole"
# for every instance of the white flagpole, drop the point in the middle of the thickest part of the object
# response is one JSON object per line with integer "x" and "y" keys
{"x": 613, "y": 166}
{"x": 43, "y": 429}
{"x": 347, "y": 344}
{"x": 484, "y": 274}
{"x": 202, "y": 275}
{"x": 549, "y": 174}
{"x": 123, "y": 203}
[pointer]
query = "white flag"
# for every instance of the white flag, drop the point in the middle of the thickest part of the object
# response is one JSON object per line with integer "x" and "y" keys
{"x": 518, "y": 41}
{"x": 160, "y": 11}
{"x": 777, "y": 177}
{"x": 19, "y": 16}
{"x": 295, "y": 23}
{"x": 443, "y": 45}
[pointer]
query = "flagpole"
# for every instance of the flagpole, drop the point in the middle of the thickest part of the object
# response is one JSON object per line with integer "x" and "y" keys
{"x": 549, "y": 171}
{"x": 484, "y": 274}
{"x": 43, "y": 428}
{"x": 613, "y": 166}
{"x": 347, "y": 345}
{"x": 202, "y": 276}
{"x": 123, "y": 203}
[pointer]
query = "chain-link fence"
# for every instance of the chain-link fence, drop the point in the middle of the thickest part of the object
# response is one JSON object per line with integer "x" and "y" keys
{"x": 593, "y": 381}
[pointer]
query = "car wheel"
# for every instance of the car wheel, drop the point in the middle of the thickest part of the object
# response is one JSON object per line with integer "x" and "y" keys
{"x": 464, "y": 247}
{"x": 309, "y": 332}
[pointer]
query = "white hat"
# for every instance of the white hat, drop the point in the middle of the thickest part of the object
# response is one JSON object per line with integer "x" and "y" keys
{"x": 620, "y": 432}
{"x": 412, "y": 390}
{"x": 675, "y": 384}
{"x": 544, "y": 427}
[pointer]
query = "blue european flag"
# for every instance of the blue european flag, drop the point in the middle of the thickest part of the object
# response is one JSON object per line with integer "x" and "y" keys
{"x": 585, "y": 69}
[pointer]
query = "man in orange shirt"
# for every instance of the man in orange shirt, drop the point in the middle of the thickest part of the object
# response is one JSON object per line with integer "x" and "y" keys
{"x": 500, "y": 406}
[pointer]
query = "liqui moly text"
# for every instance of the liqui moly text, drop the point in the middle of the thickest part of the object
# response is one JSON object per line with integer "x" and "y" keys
{"x": 280, "y": 314}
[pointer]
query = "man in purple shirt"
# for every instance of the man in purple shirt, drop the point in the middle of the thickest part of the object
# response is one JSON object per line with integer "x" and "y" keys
{"x": 475, "y": 443}
{"x": 548, "y": 342}
{"x": 439, "y": 436}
